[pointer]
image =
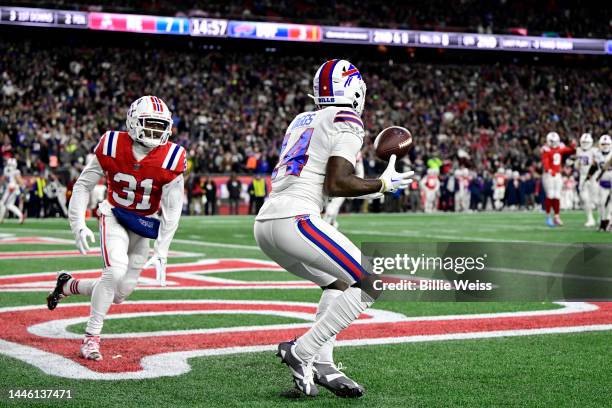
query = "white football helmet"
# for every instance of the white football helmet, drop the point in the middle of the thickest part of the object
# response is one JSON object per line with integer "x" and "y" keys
{"x": 553, "y": 139}
{"x": 586, "y": 141}
{"x": 338, "y": 82}
{"x": 149, "y": 121}
{"x": 605, "y": 143}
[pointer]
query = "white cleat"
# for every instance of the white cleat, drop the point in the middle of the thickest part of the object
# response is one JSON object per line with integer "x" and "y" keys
{"x": 557, "y": 220}
{"x": 590, "y": 223}
{"x": 90, "y": 349}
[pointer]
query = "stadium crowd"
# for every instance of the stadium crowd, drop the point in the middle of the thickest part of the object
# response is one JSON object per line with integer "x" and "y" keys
{"x": 565, "y": 18}
{"x": 231, "y": 109}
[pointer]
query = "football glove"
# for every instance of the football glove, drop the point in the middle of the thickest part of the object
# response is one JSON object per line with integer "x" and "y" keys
{"x": 392, "y": 180}
{"x": 159, "y": 264}
{"x": 81, "y": 238}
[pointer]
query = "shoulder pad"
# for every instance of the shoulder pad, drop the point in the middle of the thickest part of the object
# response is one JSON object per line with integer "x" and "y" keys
{"x": 175, "y": 158}
{"x": 348, "y": 116}
{"x": 108, "y": 144}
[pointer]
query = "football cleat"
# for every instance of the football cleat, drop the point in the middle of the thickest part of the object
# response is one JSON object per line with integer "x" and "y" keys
{"x": 603, "y": 225}
{"x": 330, "y": 376}
{"x": 302, "y": 371}
{"x": 90, "y": 349}
{"x": 58, "y": 293}
{"x": 549, "y": 222}
{"x": 557, "y": 220}
{"x": 590, "y": 223}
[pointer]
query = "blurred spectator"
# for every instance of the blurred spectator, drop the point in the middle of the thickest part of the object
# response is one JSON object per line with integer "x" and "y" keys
{"x": 258, "y": 191}
{"x": 234, "y": 188}
{"x": 210, "y": 189}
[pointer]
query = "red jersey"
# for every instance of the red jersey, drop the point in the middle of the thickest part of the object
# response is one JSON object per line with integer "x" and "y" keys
{"x": 552, "y": 157}
{"x": 137, "y": 185}
{"x": 500, "y": 180}
{"x": 432, "y": 182}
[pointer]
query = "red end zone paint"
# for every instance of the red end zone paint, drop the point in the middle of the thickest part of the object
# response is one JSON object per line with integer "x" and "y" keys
{"x": 14, "y": 326}
{"x": 179, "y": 276}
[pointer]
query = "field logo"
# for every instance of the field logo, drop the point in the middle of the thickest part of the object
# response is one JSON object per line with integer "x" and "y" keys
{"x": 42, "y": 338}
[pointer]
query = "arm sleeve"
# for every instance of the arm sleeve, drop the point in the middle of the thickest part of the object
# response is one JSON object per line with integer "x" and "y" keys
{"x": 171, "y": 207}
{"x": 347, "y": 145}
{"x": 92, "y": 173}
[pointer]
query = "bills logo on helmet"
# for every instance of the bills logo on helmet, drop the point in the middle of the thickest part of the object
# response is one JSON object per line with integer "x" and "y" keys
{"x": 352, "y": 72}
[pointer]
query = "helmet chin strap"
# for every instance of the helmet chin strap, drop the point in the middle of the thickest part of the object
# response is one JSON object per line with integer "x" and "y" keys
{"x": 140, "y": 150}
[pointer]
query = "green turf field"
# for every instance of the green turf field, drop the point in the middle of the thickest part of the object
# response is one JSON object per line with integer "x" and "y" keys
{"x": 546, "y": 369}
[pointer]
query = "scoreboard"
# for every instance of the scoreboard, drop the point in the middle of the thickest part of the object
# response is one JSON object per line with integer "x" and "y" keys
{"x": 258, "y": 30}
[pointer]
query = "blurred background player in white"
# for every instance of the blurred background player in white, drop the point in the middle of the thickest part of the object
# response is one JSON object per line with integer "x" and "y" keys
{"x": 317, "y": 160}
{"x": 13, "y": 183}
{"x": 430, "y": 185}
{"x": 585, "y": 156}
{"x": 144, "y": 174}
{"x": 462, "y": 193}
{"x": 569, "y": 196}
{"x": 499, "y": 188}
{"x": 332, "y": 209}
{"x": 601, "y": 171}
{"x": 552, "y": 160}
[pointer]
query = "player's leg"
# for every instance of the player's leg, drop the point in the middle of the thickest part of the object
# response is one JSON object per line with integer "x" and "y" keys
{"x": 114, "y": 241}
{"x": 283, "y": 241}
{"x": 604, "y": 208}
{"x": 332, "y": 210}
{"x": 10, "y": 205}
{"x": 556, "y": 186}
{"x": 138, "y": 252}
{"x": 587, "y": 201}
{"x": 3, "y": 200}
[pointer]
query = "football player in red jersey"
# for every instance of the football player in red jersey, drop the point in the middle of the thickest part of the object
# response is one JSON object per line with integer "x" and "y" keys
{"x": 144, "y": 174}
{"x": 552, "y": 160}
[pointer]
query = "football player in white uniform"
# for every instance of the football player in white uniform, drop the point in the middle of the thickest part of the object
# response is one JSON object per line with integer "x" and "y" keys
{"x": 585, "y": 156}
{"x": 317, "y": 161}
{"x": 332, "y": 209}
{"x": 12, "y": 187}
{"x": 602, "y": 172}
{"x": 144, "y": 174}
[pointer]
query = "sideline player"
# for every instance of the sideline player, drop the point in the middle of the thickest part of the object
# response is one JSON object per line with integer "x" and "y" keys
{"x": 552, "y": 159}
{"x": 144, "y": 173}
{"x": 317, "y": 160}
{"x": 332, "y": 209}
{"x": 499, "y": 189}
{"x": 603, "y": 166}
{"x": 430, "y": 185}
{"x": 585, "y": 156}
{"x": 13, "y": 183}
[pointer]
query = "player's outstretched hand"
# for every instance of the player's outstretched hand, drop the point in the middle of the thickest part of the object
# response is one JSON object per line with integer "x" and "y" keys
{"x": 392, "y": 180}
{"x": 84, "y": 235}
{"x": 159, "y": 264}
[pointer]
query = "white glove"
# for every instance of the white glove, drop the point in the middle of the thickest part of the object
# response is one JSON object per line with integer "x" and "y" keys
{"x": 160, "y": 268}
{"x": 392, "y": 180}
{"x": 81, "y": 239}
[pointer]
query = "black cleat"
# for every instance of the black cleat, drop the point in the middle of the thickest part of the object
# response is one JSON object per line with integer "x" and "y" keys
{"x": 302, "y": 371}
{"x": 331, "y": 377}
{"x": 57, "y": 294}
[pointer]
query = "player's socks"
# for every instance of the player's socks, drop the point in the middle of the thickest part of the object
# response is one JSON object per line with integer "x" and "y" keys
{"x": 547, "y": 205}
{"x": 556, "y": 204}
{"x": 79, "y": 286}
{"x": 327, "y": 349}
{"x": 339, "y": 316}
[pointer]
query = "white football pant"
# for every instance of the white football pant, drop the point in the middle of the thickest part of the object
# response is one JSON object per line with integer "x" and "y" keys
{"x": 333, "y": 209}
{"x": 552, "y": 185}
{"x": 8, "y": 203}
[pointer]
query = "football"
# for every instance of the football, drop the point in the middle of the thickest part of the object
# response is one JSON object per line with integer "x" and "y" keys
{"x": 393, "y": 140}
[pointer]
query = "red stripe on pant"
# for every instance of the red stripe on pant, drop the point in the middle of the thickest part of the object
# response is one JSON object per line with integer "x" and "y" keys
{"x": 347, "y": 264}
{"x": 104, "y": 251}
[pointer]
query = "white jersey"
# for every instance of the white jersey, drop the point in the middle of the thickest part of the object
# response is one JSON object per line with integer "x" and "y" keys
{"x": 601, "y": 159}
{"x": 11, "y": 175}
{"x": 311, "y": 139}
{"x": 584, "y": 159}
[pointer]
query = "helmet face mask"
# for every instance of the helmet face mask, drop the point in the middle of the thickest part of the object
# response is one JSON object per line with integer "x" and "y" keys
{"x": 339, "y": 83}
{"x": 149, "y": 121}
{"x": 586, "y": 141}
